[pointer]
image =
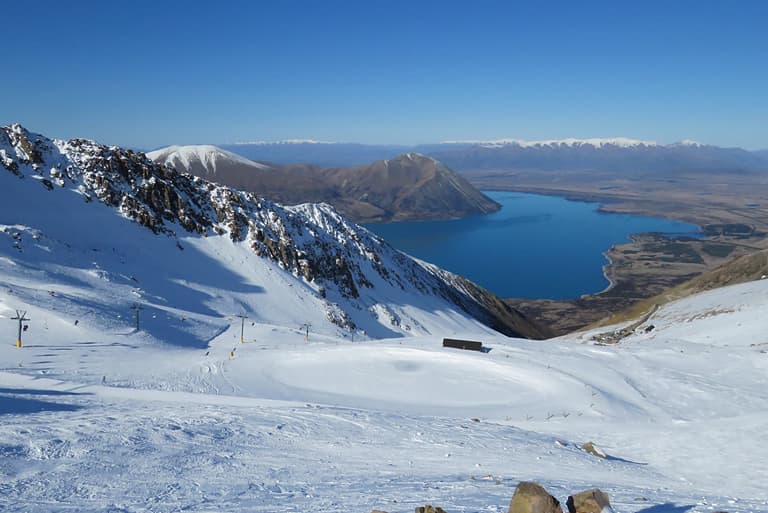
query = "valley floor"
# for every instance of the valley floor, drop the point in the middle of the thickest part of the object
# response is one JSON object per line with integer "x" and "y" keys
{"x": 124, "y": 423}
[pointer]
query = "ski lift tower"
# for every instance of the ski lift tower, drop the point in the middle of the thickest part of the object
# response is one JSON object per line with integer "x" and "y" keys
{"x": 306, "y": 327}
{"x": 137, "y": 308}
{"x": 21, "y": 317}
{"x": 243, "y": 317}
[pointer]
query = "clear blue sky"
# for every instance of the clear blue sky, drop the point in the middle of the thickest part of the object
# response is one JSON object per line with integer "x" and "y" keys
{"x": 146, "y": 75}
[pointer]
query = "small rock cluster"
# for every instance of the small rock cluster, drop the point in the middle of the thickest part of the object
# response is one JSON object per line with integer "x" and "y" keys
{"x": 531, "y": 497}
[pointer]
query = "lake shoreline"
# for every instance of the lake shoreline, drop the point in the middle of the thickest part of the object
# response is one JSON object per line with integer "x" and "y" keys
{"x": 698, "y": 198}
{"x": 520, "y": 249}
{"x": 644, "y": 265}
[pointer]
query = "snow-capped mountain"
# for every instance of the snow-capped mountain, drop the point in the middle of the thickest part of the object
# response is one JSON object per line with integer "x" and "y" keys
{"x": 619, "y": 142}
{"x": 80, "y": 212}
{"x": 611, "y": 155}
{"x": 616, "y": 154}
{"x": 202, "y": 159}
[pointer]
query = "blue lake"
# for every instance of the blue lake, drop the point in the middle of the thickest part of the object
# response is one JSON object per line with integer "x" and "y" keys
{"x": 534, "y": 247}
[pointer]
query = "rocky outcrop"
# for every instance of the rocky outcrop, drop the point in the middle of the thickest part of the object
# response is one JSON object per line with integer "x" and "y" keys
{"x": 589, "y": 501}
{"x": 533, "y": 498}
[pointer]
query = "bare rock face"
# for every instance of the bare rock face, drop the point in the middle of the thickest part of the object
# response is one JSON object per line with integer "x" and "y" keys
{"x": 589, "y": 501}
{"x": 533, "y": 498}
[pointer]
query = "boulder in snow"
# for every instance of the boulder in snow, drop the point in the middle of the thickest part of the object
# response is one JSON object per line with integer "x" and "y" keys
{"x": 429, "y": 509}
{"x": 589, "y": 501}
{"x": 592, "y": 449}
{"x": 533, "y": 498}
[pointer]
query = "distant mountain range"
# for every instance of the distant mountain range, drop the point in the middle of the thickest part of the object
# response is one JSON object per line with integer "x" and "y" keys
{"x": 612, "y": 155}
{"x": 407, "y": 187}
{"x": 80, "y": 216}
{"x": 616, "y": 155}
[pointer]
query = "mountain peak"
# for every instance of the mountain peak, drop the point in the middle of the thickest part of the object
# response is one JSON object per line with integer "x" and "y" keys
{"x": 203, "y": 158}
{"x": 689, "y": 142}
{"x": 412, "y": 156}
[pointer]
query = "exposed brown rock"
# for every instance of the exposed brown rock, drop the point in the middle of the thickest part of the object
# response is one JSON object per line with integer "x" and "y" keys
{"x": 593, "y": 450}
{"x": 589, "y": 501}
{"x": 533, "y": 498}
{"x": 429, "y": 509}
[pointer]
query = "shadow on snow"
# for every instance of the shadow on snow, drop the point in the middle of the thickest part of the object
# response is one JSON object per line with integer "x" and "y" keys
{"x": 666, "y": 508}
{"x": 12, "y": 404}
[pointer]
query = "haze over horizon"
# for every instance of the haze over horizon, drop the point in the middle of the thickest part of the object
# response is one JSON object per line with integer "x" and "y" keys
{"x": 183, "y": 73}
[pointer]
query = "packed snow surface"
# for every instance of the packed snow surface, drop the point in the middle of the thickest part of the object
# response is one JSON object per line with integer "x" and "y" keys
{"x": 96, "y": 416}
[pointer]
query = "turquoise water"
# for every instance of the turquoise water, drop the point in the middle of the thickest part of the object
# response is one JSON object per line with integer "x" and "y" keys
{"x": 534, "y": 247}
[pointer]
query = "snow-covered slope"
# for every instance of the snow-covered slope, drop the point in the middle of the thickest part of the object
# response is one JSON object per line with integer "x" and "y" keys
{"x": 94, "y": 417}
